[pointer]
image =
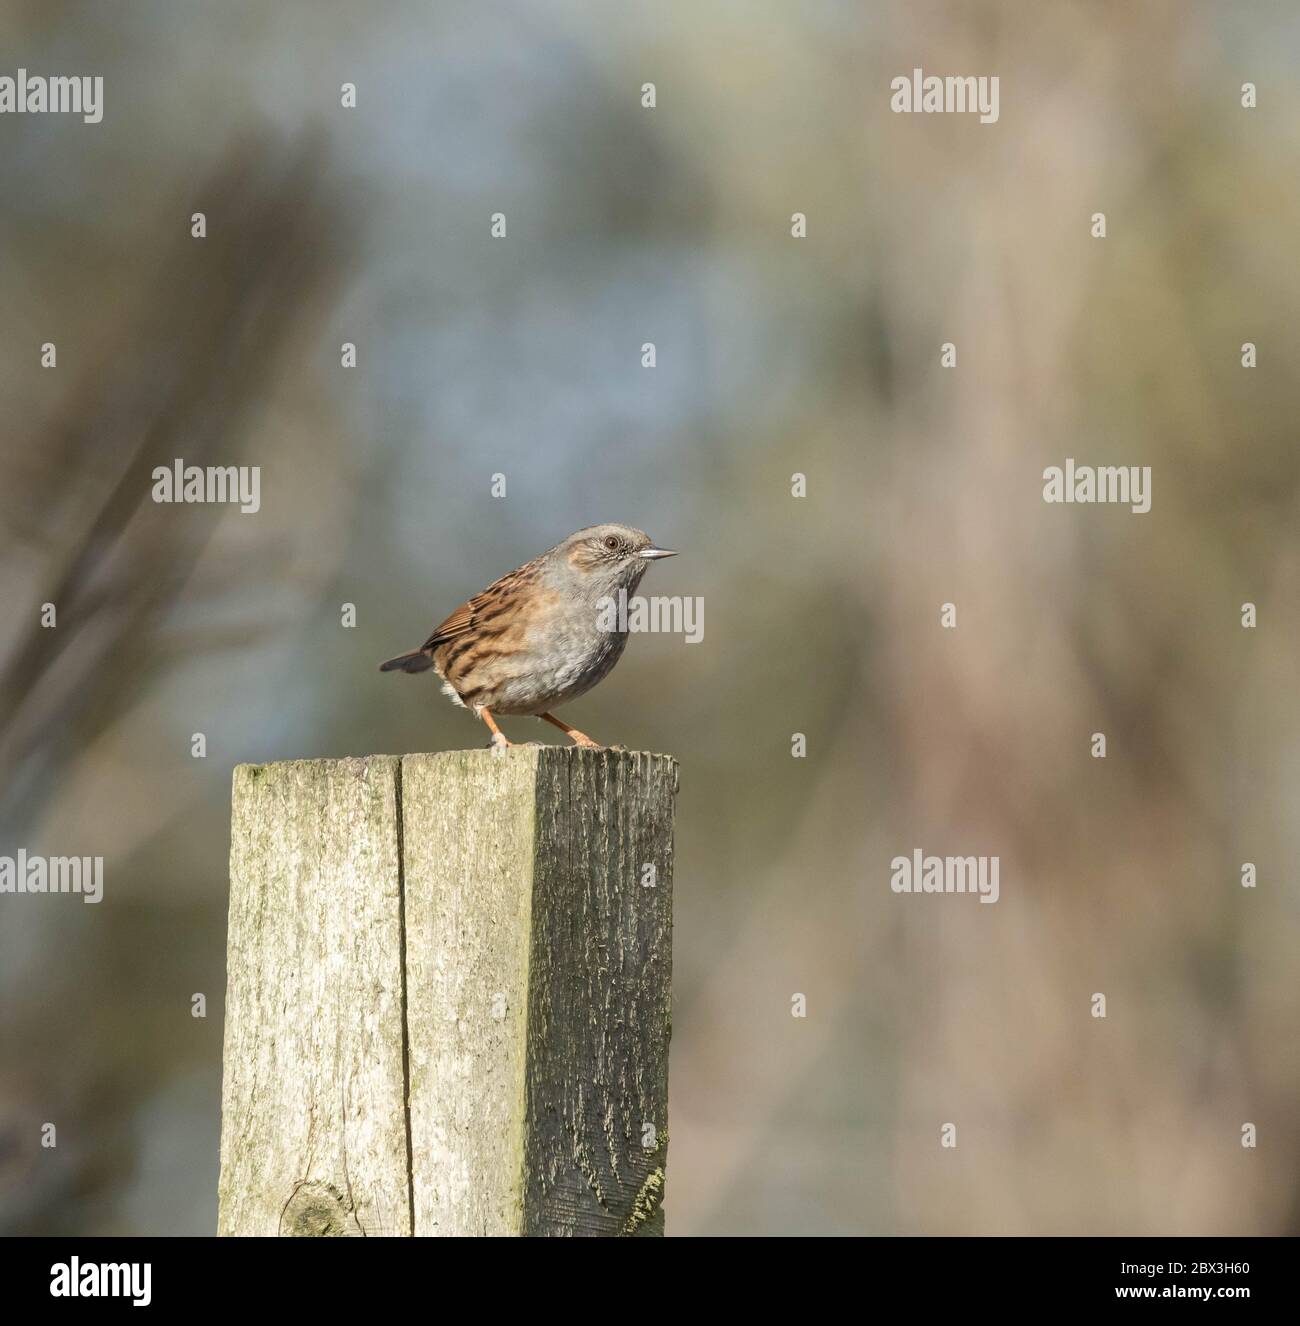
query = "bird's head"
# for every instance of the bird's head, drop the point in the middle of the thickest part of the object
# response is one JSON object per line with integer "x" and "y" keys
{"x": 608, "y": 558}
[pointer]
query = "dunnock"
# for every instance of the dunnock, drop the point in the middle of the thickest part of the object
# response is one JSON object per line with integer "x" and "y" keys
{"x": 538, "y": 637}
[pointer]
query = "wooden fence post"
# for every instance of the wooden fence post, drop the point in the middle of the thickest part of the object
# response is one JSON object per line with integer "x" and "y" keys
{"x": 448, "y": 1002}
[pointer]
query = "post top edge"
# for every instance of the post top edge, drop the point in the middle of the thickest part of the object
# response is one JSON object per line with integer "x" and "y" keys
{"x": 550, "y": 751}
{"x": 256, "y": 767}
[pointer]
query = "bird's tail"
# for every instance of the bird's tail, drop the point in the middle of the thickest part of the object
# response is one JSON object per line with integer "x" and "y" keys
{"x": 416, "y": 662}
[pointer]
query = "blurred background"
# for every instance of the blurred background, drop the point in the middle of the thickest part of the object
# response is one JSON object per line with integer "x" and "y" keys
{"x": 775, "y": 355}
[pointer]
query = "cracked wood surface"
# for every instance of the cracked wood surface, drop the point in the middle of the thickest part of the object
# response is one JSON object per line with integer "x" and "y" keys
{"x": 313, "y": 1136}
{"x": 529, "y": 1031}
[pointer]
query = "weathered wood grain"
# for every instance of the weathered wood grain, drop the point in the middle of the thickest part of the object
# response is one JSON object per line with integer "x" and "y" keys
{"x": 448, "y": 1008}
{"x": 313, "y": 1135}
{"x": 469, "y": 908}
{"x": 600, "y": 1009}
{"x": 538, "y": 976}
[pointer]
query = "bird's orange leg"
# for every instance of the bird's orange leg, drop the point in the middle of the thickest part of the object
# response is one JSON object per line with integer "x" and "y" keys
{"x": 499, "y": 742}
{"x": 578, "y": 738}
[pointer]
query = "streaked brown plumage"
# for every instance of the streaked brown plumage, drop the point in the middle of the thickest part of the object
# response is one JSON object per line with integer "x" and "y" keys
{"x": 534, "y": 639}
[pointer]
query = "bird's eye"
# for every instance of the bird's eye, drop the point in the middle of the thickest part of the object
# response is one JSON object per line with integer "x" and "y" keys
{"x": 611, "y": 542}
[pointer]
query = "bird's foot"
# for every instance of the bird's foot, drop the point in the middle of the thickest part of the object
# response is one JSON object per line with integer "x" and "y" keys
{"x": 578, "y": 738}
{"x": 499, "y": 743}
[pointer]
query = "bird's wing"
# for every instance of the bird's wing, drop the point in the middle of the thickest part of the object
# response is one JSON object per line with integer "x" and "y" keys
{"x": 462, "y": 620}
{"x": 490, "y": 604}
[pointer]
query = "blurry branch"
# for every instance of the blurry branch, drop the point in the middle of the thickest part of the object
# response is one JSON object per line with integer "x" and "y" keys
{"x": 180, "y": 378}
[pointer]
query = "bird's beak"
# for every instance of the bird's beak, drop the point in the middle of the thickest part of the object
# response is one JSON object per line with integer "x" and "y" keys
{"x": 653, "y": 554}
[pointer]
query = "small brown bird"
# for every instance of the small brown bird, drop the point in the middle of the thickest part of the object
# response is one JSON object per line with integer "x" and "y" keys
{"x": 542, "y": 635}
